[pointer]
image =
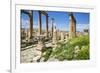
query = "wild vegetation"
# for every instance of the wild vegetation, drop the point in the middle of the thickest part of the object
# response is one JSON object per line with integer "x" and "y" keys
{"x": 75, "y": 49}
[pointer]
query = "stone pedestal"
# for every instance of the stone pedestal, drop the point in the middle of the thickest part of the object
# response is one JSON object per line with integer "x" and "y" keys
{"x": 40, "y": 44}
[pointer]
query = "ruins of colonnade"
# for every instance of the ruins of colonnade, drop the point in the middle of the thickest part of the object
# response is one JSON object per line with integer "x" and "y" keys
{"x": 72, "y": 24}
{"x": 40, "y": 22}
{"x": 41, "y": 43}
{"x": 30, "y": 15}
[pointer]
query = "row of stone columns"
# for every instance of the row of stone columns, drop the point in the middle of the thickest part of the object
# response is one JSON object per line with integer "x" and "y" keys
{"x": 72, "y": 30}
{"x": 40, "y": 22}
{"x": 30, "y": 14}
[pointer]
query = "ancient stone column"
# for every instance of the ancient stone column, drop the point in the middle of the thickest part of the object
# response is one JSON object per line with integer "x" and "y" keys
{"x": 31, "y": 23}
{"x": 62, "y": 36}
{"x": 52, "y": 22}
{"x": 47, "y": 25}
{"x": 54, "y": 36}
{"x": 39, "y": 24}
{"x": 58, "y": 35}
{"x": 72, "y": 30}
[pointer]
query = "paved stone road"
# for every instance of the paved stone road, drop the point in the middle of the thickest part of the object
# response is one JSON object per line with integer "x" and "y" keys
{"x": 28, "y": 54}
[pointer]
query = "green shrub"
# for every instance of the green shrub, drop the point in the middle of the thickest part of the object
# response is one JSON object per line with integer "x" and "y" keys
{"x": 65, "y": 51}
{"x": 84, "y": 53}
{"x": 47, "y": 52}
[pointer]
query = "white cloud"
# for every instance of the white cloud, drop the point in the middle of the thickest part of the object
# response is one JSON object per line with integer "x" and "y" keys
{"x": 35, "y": 24}
{"x": 81, "y": 27}
{"x": 25, "y": 23}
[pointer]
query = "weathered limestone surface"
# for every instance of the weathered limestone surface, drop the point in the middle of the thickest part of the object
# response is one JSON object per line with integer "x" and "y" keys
{"x": 72, "y": 30}
{"x": 62, "y": 36}
{"x": 55, "y": 36}
{"x": 66, "y": 37}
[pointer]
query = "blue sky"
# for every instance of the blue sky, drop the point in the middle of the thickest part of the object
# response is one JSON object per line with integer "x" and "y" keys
{"x": 61, "y": 20}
